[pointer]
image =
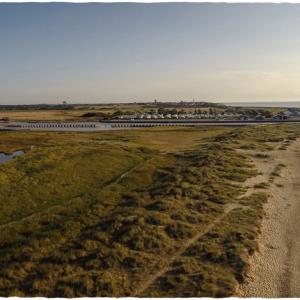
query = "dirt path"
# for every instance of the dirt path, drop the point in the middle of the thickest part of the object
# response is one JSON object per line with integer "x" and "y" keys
{"x": 165, "y": 266}
{"x": 131, "y": 170}
{"x": 275, "y": 269}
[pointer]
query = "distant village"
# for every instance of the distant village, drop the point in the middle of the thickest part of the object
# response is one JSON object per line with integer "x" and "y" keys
{"x": 210, "y": 115}
{"x": 182, "y": 110}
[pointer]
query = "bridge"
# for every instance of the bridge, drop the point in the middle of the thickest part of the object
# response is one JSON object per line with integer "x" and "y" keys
{"x": 58, "y": 125}
{"x": 54, "y": 126}
{"x": 127, "y": 124}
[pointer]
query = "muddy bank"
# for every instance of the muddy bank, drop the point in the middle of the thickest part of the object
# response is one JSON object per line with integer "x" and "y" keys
{"x": 275, "y": 269}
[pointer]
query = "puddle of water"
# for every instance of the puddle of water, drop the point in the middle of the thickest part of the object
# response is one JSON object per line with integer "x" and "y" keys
{"x": 6, "y": 157}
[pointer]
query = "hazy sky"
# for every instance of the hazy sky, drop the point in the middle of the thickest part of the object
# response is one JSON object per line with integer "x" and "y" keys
{"x": 137, "y": 52}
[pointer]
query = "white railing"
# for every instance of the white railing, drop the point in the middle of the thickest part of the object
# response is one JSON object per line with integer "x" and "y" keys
{"x": 57, "y": 125}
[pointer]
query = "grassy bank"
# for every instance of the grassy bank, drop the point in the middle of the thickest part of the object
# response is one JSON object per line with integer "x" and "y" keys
{"x": 111, "y": 214}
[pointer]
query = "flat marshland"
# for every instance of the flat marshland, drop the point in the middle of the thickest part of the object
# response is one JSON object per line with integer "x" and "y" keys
{"x": 166, "y": 212}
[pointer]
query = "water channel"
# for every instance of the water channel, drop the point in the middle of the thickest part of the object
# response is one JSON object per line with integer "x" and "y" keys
{"x": 7, "y": 157}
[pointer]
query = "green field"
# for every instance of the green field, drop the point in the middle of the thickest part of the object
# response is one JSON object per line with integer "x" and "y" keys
{"x": 149, "y": 212}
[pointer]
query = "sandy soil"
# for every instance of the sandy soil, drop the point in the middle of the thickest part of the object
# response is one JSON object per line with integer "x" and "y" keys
{"x": 275, "y": 269}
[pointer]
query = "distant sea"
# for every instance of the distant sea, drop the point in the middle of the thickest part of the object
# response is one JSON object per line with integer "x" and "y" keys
{"x": 266, "y": 104}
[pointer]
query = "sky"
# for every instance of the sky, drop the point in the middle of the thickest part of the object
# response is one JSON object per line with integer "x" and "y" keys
{"x": 121, "y": 52}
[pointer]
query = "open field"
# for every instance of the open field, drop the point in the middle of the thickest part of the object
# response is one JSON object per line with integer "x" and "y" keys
{"x": 148, "y": 212}
{"x": 49, "y": 115}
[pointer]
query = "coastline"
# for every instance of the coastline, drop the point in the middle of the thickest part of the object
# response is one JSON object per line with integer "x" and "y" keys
{"x": 275, "y": 268}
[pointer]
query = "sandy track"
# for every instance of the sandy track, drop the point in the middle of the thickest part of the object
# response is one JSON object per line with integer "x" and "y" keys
{"x": 275, "y": 269}
{"x": 131, "y": 170}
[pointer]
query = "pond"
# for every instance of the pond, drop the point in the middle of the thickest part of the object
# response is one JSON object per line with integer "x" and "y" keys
{"x": 6, "y": 157}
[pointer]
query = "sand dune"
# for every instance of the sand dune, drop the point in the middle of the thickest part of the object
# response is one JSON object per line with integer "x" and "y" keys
{"x": 275, "y": 269}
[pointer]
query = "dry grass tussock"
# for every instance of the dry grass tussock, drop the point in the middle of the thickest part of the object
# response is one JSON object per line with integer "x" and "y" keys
{"x": 70, "y": 228}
